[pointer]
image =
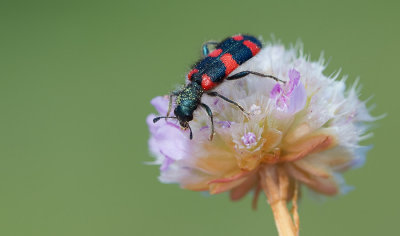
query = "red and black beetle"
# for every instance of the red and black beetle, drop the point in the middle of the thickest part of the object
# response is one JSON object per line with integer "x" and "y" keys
{"x": 209, "y": 72}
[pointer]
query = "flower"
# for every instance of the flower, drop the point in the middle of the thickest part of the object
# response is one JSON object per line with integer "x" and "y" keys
{"x": 302, "y": 132}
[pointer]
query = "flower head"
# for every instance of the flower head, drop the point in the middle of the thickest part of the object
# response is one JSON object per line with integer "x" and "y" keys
{"x": 307, "y": 129}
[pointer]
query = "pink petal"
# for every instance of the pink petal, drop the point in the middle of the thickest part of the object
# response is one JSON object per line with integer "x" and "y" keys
{"x": 161, "y": 104}
{"x": 297, "y": 99}
{"x": 275, "y": 91}
{"x": 312, "y": 168}
{"x": 241, "y": 190}
{"x": 327, "y": 186}
{"x": 230, "y": 178}
{"x": 216, "y": 188}
{"x": 310, "y": 145}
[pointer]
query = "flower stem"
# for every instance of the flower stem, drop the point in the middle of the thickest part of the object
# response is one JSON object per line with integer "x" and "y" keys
{"x": 283, "y": 219}
{"x": 278, "y": 188}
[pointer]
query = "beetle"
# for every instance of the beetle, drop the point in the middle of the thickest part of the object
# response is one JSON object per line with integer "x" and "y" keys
{"x": 210, "y": 71}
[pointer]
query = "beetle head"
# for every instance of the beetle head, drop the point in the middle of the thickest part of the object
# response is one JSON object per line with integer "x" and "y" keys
{"x": 184, "y": 115}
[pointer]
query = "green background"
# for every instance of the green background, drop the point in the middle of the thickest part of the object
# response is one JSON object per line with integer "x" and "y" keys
{"x": 76, "y": 78}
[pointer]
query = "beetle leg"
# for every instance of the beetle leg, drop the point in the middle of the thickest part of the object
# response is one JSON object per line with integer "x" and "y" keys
{"x": 173, "y": 93}
{"x": 169, "y": 104}
{"x": 242, "y": 74}
{"x": 209, "y": 112}
{"x": 215, "y": 94}
{"x": 205, "y": 48}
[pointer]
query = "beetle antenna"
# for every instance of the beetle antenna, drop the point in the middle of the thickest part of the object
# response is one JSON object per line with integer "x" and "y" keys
{"x": 160, "y": 117}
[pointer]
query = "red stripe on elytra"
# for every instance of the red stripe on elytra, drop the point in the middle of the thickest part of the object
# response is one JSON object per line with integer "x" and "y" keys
{"x": 229, "y": 62}
{"x": 191, "y": 73}
{"x": 252, "y": 46}
{"x": 206, "y": 82}
{"x": 237, "y": 37}
{"x": 215, "y": 53}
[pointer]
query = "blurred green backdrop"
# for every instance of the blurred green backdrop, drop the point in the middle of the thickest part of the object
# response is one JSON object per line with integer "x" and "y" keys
{"x": 76, "y": 78}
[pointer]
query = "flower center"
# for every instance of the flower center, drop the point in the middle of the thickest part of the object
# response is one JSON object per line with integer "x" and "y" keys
{"x": 249, "y": 139}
